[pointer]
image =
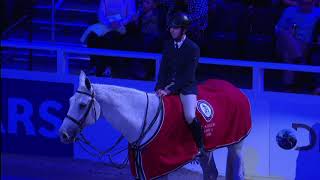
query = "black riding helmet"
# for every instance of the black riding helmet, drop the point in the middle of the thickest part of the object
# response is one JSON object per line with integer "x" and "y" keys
{"x": 179, "y": 20}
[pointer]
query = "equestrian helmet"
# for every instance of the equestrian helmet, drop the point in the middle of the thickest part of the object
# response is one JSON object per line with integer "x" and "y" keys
{"x": 179, "y": 20}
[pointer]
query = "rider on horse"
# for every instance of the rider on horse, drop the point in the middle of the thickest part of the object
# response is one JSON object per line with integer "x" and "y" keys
{"x": 178, "y": 71}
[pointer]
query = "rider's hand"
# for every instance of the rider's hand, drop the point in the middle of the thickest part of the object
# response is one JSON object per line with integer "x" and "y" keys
{"x": 162, "y": 93}
{"x": 167, "y": 92}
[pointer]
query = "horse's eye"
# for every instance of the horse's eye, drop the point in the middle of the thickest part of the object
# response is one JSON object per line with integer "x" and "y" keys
{"x": 82, "y": 105}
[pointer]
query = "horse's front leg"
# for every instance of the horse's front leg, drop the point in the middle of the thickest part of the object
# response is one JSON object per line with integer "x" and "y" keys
{"x": 209, "y": 169}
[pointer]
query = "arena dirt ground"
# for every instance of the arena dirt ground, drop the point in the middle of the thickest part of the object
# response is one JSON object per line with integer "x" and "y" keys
{"x": 22, "y": 167}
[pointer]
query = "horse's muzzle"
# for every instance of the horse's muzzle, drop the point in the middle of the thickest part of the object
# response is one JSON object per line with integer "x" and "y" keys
{"x": 65, "y": 138}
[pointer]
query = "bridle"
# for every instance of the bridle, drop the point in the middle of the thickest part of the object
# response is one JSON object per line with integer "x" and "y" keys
{"x": 81, "y": 139}
{"x": 81, "y": 121}
{"x": 136, "y": 146}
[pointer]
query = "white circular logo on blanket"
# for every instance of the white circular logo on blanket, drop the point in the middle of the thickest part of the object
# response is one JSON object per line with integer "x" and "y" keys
{"x": 205, "y": 109}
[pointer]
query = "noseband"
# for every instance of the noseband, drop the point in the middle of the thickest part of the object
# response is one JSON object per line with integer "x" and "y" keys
{"x": 81, "y": 121}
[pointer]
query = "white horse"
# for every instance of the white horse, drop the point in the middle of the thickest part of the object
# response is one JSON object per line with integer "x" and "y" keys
{"x": 125, "y": 109}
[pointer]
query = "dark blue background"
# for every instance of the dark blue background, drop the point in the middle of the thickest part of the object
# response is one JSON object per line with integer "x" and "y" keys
{"x": 35, "y": 93}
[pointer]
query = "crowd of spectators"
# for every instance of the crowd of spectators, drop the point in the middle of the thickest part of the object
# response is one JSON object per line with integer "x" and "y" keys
{"x": 264, "y": 30}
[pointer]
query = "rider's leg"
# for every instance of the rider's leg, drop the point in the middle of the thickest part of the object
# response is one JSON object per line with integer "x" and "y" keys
{"x": 189, "y": 102}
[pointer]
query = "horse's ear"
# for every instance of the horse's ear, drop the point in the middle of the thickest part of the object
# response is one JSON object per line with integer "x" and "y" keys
{"x": 88, "y": 84}
{"x": 82, "y": 79}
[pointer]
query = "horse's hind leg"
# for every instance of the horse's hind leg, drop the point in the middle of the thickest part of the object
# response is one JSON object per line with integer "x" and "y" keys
{"x": 235, "y": 166}
{"x": 209, "y": 169}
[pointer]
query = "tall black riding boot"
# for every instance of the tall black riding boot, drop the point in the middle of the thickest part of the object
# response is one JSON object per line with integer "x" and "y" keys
{"x": 197, "y": 133}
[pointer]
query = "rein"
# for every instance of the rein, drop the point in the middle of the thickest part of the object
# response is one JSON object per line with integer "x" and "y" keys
{"x": 82, "y": 140}
{"x": 137, "y": 146}
{"x": 137, "y": 143}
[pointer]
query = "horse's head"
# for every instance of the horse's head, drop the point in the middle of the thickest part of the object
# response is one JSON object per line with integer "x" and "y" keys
{"x": 83, "y": 111}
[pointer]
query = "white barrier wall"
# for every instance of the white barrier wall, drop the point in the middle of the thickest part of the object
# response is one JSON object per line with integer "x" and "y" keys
{"x": 271, "y": 112}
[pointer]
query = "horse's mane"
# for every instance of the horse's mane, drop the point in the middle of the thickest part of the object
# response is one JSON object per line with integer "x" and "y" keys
{"x": 120, "y": 89}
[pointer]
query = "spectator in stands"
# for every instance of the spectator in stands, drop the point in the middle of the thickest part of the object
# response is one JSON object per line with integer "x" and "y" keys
{"x": 148, "y": 19}
{"x": 281, "y": 5}
{"x": 197, "y": 12}
{"x": 288, "y": 3}
{"x": 294, "y": 34}
{"x": 315, "y": 57}
{"x": 147, "y": 26}
{"x": 145, "y": 36}
{"x": 107, "y": 33}
{"x": 260, "y": 3}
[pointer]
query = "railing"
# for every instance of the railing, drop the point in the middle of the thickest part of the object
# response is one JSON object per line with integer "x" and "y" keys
{"x": 53, "y": 20}
{"x": 258, "y": 68}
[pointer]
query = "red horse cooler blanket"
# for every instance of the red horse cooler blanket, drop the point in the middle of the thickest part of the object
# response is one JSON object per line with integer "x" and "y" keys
{"x": 224, "y": 112}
